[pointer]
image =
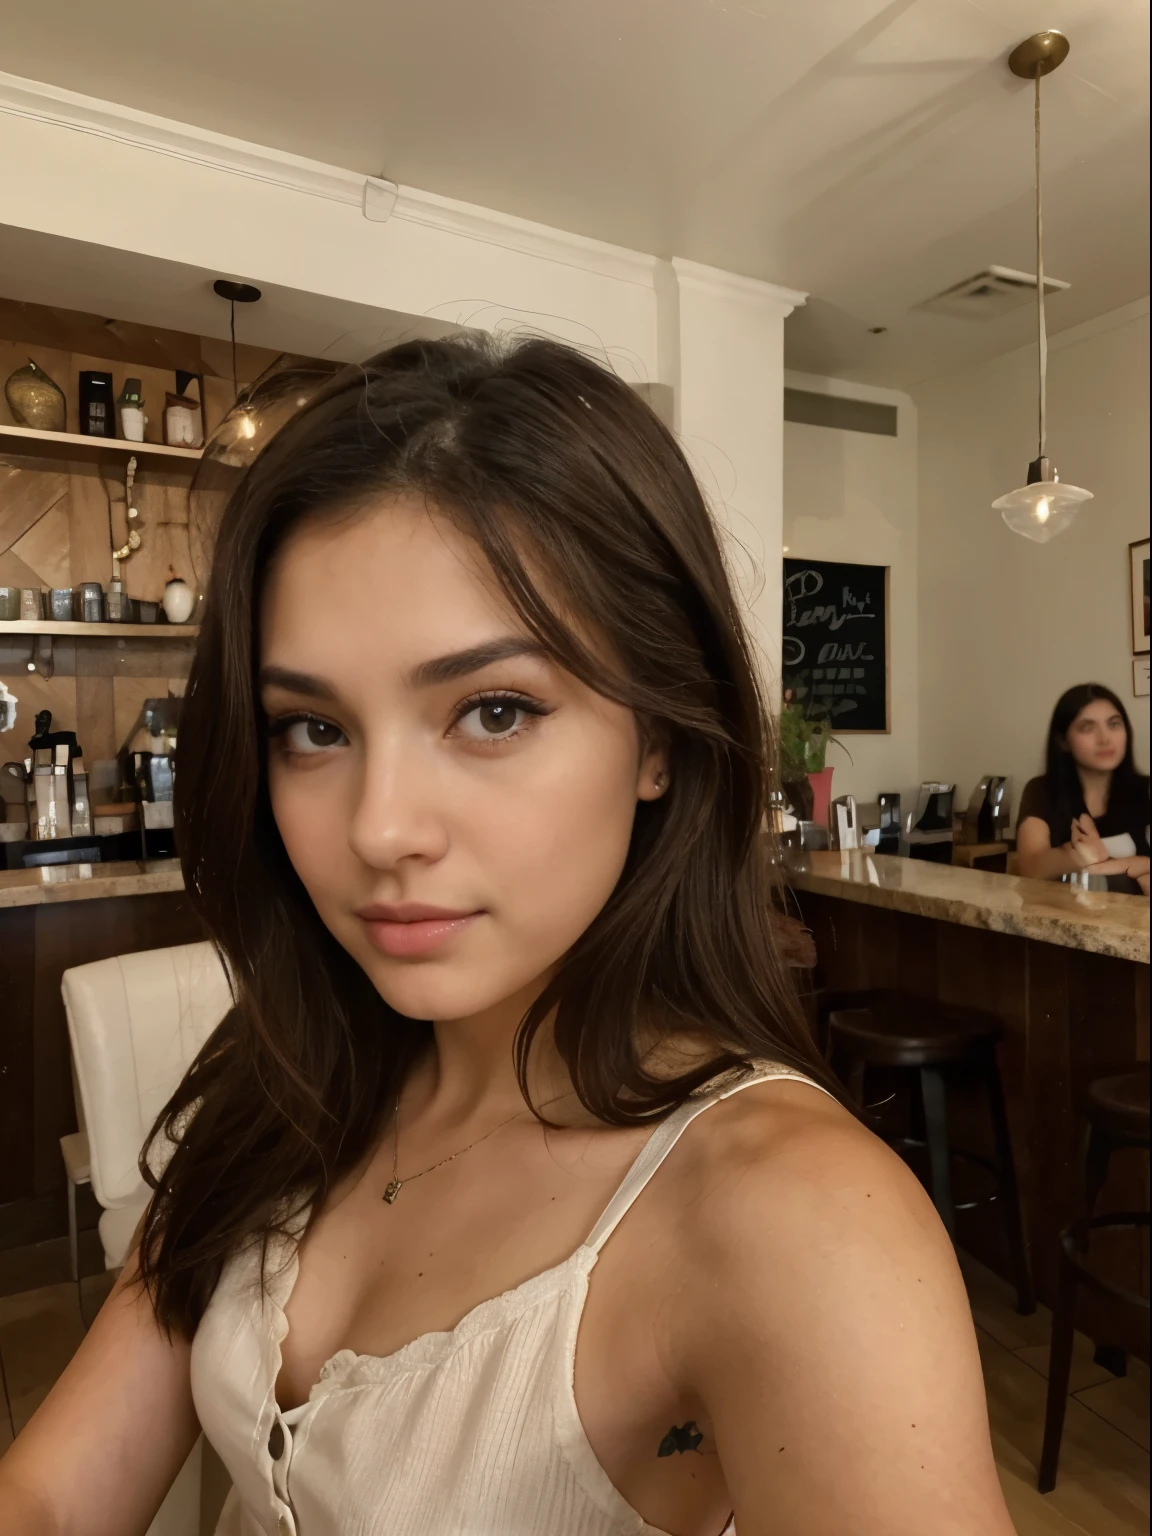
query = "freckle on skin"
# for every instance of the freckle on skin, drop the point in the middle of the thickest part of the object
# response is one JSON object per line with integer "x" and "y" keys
{"x": 778, "y": 1452}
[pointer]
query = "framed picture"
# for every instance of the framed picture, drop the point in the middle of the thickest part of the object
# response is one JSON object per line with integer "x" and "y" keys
{"x": 1138, "y": 575}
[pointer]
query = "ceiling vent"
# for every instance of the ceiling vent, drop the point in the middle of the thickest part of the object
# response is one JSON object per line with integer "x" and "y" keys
{"x": 992, "y": 292}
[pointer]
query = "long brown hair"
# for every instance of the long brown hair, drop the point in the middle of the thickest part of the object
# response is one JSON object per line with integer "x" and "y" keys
{"x": 569, "y": 484}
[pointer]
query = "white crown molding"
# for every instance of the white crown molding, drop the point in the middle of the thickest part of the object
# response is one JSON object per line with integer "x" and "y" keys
{"x": 180, "y": 141}
{"x": 378, "y": 199}
{"x": 472, "y": 222}
{"x": 750, "y": 290}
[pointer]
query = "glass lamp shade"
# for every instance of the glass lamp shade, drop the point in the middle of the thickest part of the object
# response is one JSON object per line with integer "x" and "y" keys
{"x": 238, "y": 439}
{"x": 1041, "y": 510}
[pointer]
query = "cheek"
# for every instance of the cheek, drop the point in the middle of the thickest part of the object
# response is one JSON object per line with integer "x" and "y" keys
{"x": 556, "y": 850}
{"x": 308, "y": 813}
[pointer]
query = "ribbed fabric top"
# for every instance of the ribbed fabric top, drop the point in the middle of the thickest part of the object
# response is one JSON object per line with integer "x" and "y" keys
{"x": 472, "y": 1432}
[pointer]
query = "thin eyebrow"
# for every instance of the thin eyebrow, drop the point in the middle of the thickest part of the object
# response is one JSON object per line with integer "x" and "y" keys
{"x": 447, "y": 669}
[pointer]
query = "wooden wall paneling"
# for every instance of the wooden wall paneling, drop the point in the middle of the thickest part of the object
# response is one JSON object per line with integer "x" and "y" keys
{"x": 17, "y": 927}
{"x": 95, "y": 715}
{"x": 162, "y": 501}
{"x": 73, "y": 330}
{"x": 15, "y": 572}
{"x": 45, "y": 548}
{"x": 89, "y": 540}
{"x": 25, "y": 496}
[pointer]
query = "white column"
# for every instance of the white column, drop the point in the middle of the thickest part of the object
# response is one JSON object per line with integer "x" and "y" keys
{"x": 721, "y": 343}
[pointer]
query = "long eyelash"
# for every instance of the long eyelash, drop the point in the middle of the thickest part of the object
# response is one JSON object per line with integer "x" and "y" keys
{"x": 278, "y": 726}
{"x": 523, "y": 701}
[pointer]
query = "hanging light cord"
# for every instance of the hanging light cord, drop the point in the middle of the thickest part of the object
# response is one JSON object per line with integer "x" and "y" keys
{"x": 1040, "y": 320}
{"x": 232, "y": 306}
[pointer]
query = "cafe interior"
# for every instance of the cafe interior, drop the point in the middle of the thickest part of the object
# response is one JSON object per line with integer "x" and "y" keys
{"x": 882, "y": 268}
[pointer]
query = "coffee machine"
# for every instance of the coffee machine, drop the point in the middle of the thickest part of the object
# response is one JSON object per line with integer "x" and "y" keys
{"x": 986, "y": 819}
{"x": 929, "y": 831}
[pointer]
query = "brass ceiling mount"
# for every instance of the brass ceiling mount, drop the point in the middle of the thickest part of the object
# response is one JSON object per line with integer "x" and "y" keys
{"x": 1039, "y": 54}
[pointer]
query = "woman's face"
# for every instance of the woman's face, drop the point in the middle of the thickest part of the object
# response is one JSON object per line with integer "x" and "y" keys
{"x": 1097, "y": 738}
{"x": 457, "y": 806}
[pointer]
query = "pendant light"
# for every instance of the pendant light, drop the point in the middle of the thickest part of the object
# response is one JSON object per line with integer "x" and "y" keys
{"x": 1044, "y": 506}
{"x": 234, "y": 441}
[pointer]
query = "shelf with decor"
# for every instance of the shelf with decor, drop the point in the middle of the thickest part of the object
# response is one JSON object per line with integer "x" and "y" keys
{"x": 75, "y": 445}
{"x": 95, "y": 631}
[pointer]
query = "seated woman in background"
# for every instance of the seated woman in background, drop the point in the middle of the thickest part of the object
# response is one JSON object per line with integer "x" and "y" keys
{"x": 1090, "y": 809}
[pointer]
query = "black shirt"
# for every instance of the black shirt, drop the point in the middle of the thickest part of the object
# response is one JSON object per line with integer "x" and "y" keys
{"x": 1131, "y": 819}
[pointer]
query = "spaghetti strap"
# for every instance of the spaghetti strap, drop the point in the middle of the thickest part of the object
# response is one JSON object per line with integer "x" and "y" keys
{"x": 665, "y": 1137}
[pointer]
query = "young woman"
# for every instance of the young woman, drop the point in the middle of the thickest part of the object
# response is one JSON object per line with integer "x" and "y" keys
{"x": 510, "y": 1198}
{"x": 1090, "y": 809}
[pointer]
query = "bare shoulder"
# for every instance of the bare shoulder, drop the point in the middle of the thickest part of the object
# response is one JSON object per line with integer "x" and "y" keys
{"x": 822, "y": 1314}
{"x": 782, "y": 1172}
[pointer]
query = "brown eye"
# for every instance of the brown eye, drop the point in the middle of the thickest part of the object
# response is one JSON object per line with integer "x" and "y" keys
{"x": 496, "y": 718}
{"x": 308, "y": 736}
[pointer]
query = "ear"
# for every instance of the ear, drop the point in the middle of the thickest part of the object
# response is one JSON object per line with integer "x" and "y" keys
{"x": 653, "y": 778}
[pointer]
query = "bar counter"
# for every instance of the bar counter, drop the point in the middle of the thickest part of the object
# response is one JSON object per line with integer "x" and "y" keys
{"x": 1097, "y": 921}
{"x": 1064, "y": 970}
{"x": 54, "y": 883}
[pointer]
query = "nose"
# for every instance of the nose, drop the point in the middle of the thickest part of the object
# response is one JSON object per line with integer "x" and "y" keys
{"x": 396, "y": 813}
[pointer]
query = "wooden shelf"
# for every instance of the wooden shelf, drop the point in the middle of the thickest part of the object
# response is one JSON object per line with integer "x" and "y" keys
{"x": 73, "y": 445}
{"x": 95, "y": 631}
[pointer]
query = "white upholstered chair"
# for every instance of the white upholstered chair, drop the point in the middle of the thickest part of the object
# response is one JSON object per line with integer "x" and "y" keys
{"x": 136, "y": 1022}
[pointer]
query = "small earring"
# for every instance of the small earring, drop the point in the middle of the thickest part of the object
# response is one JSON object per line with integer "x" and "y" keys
{"x": 661, "y": 780}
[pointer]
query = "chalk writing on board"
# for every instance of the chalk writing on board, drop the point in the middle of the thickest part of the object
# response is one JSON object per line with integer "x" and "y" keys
{"x": 834, "y": 632}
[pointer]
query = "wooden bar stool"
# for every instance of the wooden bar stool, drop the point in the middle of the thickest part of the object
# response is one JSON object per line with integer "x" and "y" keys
{"x": 1117, "y": 1113}
{"x": 924, "y": 1037}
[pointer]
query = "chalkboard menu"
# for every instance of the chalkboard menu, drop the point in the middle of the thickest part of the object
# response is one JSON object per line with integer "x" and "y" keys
{"x": 835, "y": 656}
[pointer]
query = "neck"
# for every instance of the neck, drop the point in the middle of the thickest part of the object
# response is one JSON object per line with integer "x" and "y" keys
{"x": 1095, "y": 784}
{"x": 471, "y": 1073}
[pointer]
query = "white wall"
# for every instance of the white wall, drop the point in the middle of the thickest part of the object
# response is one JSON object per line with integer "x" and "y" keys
{"x": 852, "y": 496}
{"x": 1006, "y": 625}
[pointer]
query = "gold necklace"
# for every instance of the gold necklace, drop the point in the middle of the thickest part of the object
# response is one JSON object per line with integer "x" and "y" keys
{"x": 396, "y": 1184}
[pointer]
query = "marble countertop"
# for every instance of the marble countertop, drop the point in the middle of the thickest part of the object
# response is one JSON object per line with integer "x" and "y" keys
{"x": 87, "y": 882}
{"x": 1099, "y": 921}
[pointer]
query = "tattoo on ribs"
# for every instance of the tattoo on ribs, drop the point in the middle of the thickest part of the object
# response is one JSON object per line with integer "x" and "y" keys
{"x": 681, "y": 1438}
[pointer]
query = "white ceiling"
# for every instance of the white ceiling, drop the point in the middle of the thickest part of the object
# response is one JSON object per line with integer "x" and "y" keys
{"x": 871, "y": 153}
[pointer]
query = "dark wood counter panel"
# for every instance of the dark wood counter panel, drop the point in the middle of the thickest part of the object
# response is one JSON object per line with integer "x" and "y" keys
{"x": 1069, "y": 1013}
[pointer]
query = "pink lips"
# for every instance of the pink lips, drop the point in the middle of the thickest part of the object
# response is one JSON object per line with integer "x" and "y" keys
{"x": 410, "y": 931}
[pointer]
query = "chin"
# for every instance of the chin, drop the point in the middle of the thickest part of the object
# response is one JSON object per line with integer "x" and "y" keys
{"x": 439, "y": 988}
{"x": 439, "y": 993}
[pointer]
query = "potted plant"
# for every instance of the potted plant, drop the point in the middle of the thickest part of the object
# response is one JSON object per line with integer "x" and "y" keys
{"x": 804, "y": 741}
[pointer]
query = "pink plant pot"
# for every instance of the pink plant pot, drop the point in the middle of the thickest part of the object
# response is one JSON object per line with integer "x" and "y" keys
{"x": 821, "y": 795}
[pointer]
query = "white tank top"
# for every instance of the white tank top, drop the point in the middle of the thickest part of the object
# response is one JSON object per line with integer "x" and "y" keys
{"x": 473, "y": 1432}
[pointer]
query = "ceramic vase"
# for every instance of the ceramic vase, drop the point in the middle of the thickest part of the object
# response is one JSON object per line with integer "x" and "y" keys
{"x": 178, "y": 601}
{"x": 821, "y": 795}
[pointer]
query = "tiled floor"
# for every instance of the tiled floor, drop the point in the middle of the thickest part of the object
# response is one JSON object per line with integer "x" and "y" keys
{"x": 1103, "y": 1484}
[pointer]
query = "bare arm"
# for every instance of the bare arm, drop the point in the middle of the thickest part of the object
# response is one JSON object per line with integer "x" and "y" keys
{"x": 102, "y": 1450}
{"x": 835, "y": 1352}
{"x": 1036, "y": 855}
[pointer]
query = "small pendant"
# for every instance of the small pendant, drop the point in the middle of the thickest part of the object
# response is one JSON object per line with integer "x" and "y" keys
{"x": 392, "y": 1191}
